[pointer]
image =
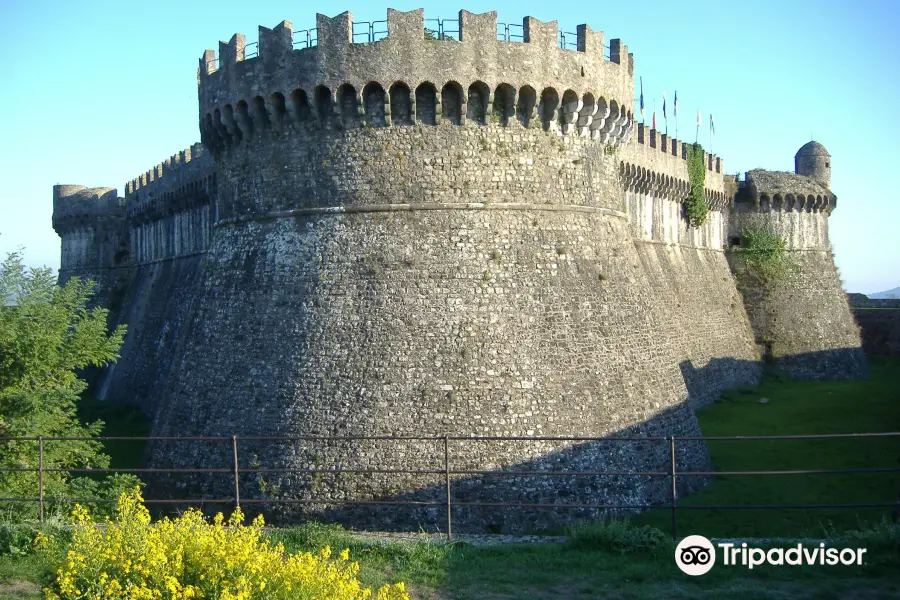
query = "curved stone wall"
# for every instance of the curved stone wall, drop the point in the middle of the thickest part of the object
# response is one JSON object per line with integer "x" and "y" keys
{"x": 406, "y": 78}
{"x": 508, "y": 303}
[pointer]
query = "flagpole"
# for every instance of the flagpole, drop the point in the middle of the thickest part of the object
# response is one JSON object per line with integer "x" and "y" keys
{"x": 675, "y": 109}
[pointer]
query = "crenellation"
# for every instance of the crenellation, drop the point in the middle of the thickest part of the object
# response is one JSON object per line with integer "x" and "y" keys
{"x": 589, "y": 41}
{"x": 334, "y": 33}
{"x": 405, "y": 26}
{"x": 477, "y": 28}
{"x": 278, "y": 41}
{"x": 232, "y": 51}
{"x": 542, "y": 35}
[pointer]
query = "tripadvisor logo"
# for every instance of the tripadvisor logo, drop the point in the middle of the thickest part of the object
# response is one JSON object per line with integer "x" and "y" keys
{"x": 696, "y": 555}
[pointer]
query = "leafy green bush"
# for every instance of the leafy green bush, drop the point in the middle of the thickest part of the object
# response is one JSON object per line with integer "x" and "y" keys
{"x": 47, "y": 334}
{"x": 764, "y": 254}
{"x": 619, "y": 536}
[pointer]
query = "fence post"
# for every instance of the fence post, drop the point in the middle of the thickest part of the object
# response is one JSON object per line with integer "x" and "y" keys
{"x": 674, "y": 492}
{"x": 447, "y": 479}
{"x": 41, "y": 478}
{"x": 237, "y": 486}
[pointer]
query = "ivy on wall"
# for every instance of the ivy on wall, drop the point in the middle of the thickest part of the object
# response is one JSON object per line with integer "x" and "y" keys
{"x": 764, "y": 254}
{"x": 695, "y": 207}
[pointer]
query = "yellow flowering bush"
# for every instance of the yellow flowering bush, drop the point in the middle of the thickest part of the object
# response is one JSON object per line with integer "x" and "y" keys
{"x": 131, "y": 558}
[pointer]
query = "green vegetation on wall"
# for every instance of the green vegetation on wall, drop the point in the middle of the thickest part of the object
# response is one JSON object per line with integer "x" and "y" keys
{"x": 695, "y": 205}
{"x": 764, "y": 255}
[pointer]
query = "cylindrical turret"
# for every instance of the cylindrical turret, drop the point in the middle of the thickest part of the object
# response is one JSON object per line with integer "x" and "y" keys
{"x": 814, "y": 161}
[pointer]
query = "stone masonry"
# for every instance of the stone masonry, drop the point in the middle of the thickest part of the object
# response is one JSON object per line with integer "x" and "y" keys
{"x": 412, "y": 238}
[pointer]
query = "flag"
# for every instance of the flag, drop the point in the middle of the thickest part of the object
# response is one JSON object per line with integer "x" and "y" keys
{"x": 698, "y": 117}
{"x": 675, "y": 106}
{"x": 642, "y": 99}
{"x": 712, "y": 124}
{"x": 664, "y": 104}
{"x": 654, "y": 119}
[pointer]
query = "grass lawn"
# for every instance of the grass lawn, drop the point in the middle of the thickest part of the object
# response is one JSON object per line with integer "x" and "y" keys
{"x": 570, "y": 571}
{"x": 588, "y": 568}
{"x": 797, "y": 407}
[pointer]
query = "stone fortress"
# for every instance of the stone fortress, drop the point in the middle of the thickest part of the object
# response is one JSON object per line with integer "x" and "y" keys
{"x": 428, "y": 237}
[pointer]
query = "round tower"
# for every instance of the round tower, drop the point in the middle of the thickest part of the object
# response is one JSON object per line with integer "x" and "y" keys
{"x": 421, "y": 238}
{"x": 813, "y": 161}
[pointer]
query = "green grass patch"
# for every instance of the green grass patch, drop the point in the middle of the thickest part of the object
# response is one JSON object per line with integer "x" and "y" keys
{"x": 797, "y": 407}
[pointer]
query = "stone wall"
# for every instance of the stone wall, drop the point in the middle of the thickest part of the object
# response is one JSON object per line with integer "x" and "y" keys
{"x": 804, "y": 322}
{"x": 710, "y": 326}
{"x": 879, "y": 322}
{"x": 512, "y": 302}
{"x": 158, "y": 311}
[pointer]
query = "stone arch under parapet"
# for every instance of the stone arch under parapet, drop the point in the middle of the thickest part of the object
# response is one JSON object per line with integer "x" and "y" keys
{"x": 234, "y": 134}
{"x": 810, "y": 200}
{"x": 609, "y": 127}
{"x": 452, "y": 102}
{"x": 242, "y": 116}
{"x": 401, "y": 104}
{"x": 347, "y": 104}
{"x": 279, "y": 108}
{"x": 569, "y": 107}
{"x": 789, "y": 202}
{"x": 478, "y": 96}
{"x": 600, "y": 114}
{"x": 777, "y": 202}
{"x": 764, "y": 203}
{"x": 525, "y": 105}
{"x": 504, "y": 103}
{"x": 549, "y": 103}
{"x": 586, "y": 114}
{"x": 300, "y": 105}
{"x": 260, "y": 114}
{"x": 323, "y": 103}
{"x": 373, "y": 101}
{"x": 426, "y": 103}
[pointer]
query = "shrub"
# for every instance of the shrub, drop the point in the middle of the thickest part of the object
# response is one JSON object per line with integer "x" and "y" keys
{"x": 617, "y": 535}
{"x": 765, "y": 255}
{"x": 133, "y": 559}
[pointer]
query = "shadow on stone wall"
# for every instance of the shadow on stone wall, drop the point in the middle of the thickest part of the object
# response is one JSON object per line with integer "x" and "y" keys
{"x": 879, "y": 323}
{"x": 498, "y": 482}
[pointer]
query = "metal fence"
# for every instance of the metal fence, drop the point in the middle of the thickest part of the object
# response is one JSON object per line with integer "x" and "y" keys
{"x": 234, "y": 471}
{"x": 442, "y": 29}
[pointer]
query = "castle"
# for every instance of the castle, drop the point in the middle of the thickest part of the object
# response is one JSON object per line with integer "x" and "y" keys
{"x": 420, "y": 237}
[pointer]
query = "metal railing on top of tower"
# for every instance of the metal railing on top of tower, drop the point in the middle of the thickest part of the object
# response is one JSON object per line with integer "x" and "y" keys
{"x": 305, "y": 38}
{"x": 443, "y": 29}
{"x": 442, "y": 32}
{"x": 374, "y": 31}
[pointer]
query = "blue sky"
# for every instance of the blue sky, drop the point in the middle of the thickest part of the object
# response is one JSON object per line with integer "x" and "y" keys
{"x": 99, "y": 92}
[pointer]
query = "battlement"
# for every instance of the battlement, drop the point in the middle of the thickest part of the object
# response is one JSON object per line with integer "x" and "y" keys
{"x": 406, "y": 78}
{"x": 181, "y": 181}
{"x": 78, "y": 207}
{"x": 781, "y": 191}
{"x": 656, "y": 165}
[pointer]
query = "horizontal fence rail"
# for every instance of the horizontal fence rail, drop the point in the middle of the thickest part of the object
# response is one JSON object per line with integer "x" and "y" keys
{"x": 234, "y": 470}
{"x": 441, "y": 29}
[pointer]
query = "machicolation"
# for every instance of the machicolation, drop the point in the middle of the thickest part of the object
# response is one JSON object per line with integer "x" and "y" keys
{"x": 414, "y": 236}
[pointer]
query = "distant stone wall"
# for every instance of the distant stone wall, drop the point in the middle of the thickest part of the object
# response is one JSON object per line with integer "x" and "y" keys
{"x": 804, "y": 322}
{"x": 711, "y": 330}
{"x": 158, "y": 310}
{"x": 879, "y": 322}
